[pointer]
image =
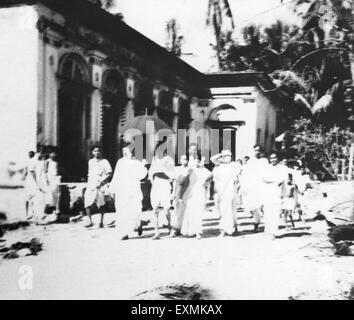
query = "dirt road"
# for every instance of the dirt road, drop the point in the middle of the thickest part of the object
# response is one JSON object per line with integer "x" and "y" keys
{"x": 77, "y": 263}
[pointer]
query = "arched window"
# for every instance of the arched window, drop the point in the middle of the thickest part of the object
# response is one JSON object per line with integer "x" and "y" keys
{"x": 73, "y": 67}
{"x": 165, "y": 108}
{"x": 144, "y": 99}
{"x": 113, "y": 83}
{"x": 223, "y": 113}
{"x": 166, "y": 100}
{"x": 184, "y": 114}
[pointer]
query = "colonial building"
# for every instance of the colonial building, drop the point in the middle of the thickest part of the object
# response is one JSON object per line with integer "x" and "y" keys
{"x": 72, "y": 75}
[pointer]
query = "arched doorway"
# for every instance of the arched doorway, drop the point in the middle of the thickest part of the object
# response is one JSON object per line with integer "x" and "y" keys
{"x": 74, "y": 115}
{"x": 225, "y": 119}
{"x": 114, "y": 99}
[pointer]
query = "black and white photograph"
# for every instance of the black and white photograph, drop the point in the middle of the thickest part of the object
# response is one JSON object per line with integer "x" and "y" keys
{"x": 176, "y": 150}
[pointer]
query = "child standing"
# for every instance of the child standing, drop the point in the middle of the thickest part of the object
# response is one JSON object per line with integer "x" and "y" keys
{"x": 289, "y": 200}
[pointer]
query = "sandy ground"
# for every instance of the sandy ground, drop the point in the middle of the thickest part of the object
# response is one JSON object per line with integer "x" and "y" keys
{"x": 77, "y": 263}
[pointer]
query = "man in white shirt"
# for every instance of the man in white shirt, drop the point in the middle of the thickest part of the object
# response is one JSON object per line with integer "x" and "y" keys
{"x": 161, "y": 174}
{"x": 99, "y": 172}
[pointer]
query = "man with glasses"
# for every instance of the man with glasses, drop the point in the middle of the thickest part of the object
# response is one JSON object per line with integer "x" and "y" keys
{"x": 274, "y": 177}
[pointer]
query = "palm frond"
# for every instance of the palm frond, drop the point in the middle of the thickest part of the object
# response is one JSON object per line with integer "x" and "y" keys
{"x": 300, "y": 98}
{"x": 322, "y": 104}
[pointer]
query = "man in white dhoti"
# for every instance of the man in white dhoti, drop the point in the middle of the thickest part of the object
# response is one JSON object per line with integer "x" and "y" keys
{"x": 180, "y": 186}
{"x": 252, "y": 185}
{"x": 53, "y": 181}
{"x": 29, "y": 184}
{"x": 274, "y": 176}
{"x": 225, "y": 178}
{"x": 99, "y": 172}
{"x": 161, "y": 174}
{"x": 128, "y": 196}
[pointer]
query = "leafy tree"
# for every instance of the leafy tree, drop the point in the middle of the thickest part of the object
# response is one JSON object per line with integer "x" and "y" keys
{"x": 322, "y": 150}
{"x": 309, "y": 65}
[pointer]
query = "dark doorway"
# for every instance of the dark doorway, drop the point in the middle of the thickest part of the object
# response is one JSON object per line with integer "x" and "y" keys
{"x": 227, "y": 140}
{"x": 113, "y": 101}
{"x": 74, "y": 117}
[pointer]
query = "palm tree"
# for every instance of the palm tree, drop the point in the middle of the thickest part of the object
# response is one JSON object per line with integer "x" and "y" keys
{"x": 174, "y": 39}
{"x": 218, "y": 12}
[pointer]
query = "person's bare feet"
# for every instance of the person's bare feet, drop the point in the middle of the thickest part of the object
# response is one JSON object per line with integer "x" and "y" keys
{"x": 173, "y": 233}
{"x": 101, "y": 225}
{"x": 156, "y": 236}
{"x": 77, "y": 219}
{"x": 89, "y": 225}
{"x": 140, "y": 231}
{"x": 222, "y": 234}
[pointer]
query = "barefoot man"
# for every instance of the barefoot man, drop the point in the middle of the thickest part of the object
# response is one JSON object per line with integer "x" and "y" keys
{"x": 161, "y": 174}
{"x": 125, "y": 187}
{"x": 99, "y": 172}
{"x": 180, "y": 186}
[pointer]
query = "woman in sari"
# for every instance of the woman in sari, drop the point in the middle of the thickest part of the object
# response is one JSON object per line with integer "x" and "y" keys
{"x": 194, "y": 199}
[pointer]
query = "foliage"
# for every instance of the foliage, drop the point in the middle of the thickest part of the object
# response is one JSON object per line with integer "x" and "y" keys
{"x": 314, "y": 143}
{"x": 219, "y": 13}
{"x": 309, "y": 65}
{"x": 106, "y": 4}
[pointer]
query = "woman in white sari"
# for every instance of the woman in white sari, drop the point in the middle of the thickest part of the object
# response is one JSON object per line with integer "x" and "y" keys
{"x": 194, "y": 200}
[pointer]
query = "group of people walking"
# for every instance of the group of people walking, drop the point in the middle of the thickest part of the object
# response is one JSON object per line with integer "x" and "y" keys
{"x": 263, "y": 188}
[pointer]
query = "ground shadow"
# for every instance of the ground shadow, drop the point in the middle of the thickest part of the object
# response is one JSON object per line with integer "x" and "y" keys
{"x": 176, "y": 292}
{"x": 211, "y": 224}
{"x": 293, "y": 235}
{"x": 301, "y": 228}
